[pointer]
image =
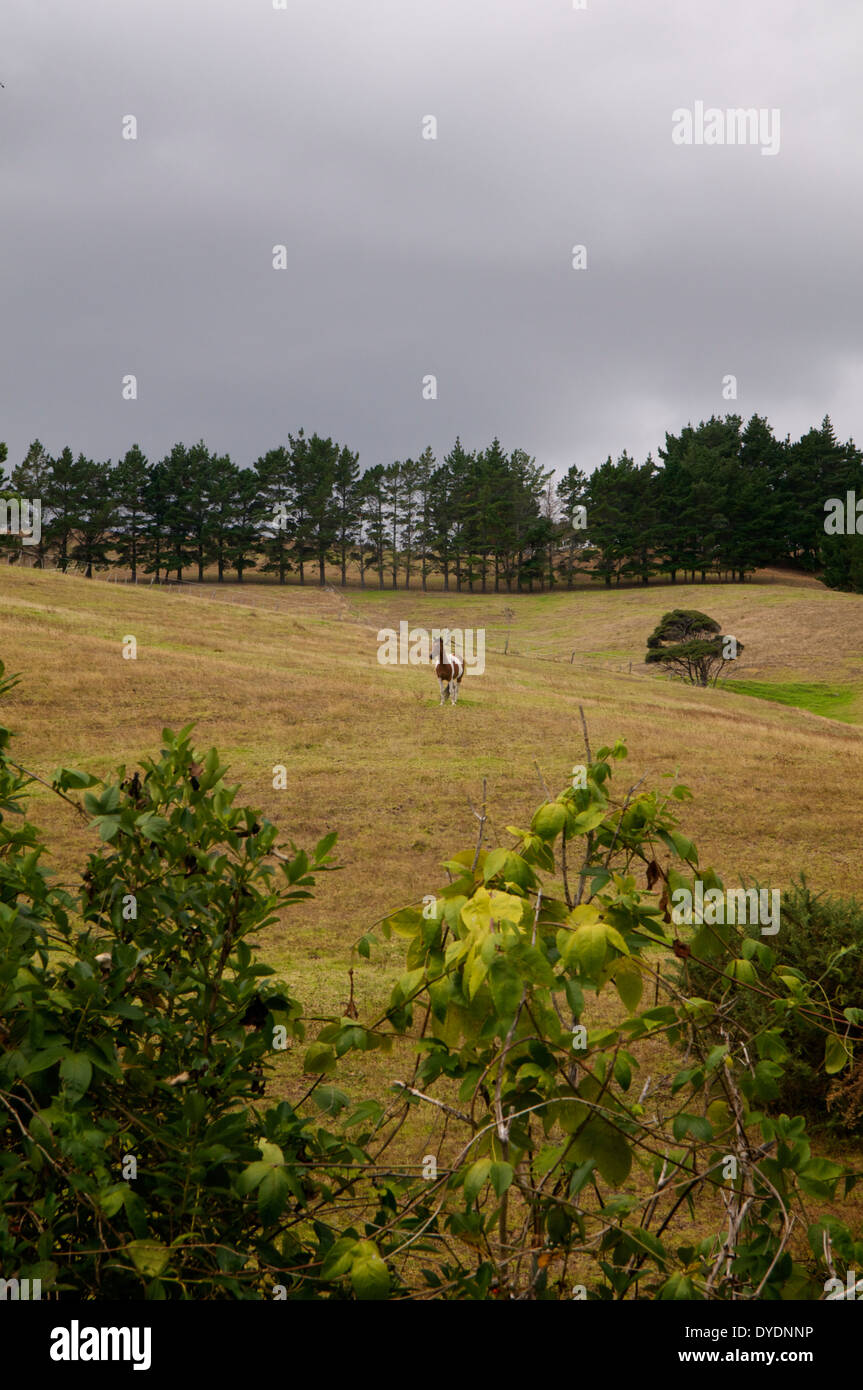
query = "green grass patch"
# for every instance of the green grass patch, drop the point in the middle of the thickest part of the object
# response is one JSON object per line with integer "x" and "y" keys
{"x": 832, "y": 701}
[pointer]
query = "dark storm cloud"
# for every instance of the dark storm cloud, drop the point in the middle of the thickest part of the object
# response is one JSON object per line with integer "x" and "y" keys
{"x": 407, "y": 256}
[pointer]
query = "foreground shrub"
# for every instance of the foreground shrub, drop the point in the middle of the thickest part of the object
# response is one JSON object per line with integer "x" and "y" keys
{"x": 821, "y": 941}
{"x": 137, "y": 1027}
{"x": 573, "y": 1173}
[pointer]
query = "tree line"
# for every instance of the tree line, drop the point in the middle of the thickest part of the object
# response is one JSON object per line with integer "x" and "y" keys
{"x": 721, "y": 500}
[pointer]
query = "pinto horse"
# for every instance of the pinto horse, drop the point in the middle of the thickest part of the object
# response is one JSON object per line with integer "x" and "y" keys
{"x": 449, "y": 670}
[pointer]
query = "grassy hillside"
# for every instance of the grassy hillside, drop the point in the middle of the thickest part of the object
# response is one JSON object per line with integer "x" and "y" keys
{"x": 291, "y": 676}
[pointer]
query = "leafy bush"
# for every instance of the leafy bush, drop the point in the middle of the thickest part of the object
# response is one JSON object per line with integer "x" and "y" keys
{"x": 821, "y": 941}
{"x": 137, "y": 1028}
{"x": 565, "y": 1168}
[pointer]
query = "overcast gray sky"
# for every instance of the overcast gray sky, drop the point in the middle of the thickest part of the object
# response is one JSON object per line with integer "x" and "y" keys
{"x": 409, "y": 256}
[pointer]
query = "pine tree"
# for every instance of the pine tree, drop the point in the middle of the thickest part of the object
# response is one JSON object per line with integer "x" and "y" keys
{"x": 62, "y": 499}
{"x": 247, "y": 509}
{"x": 410, "y": 520}
{"x": 308, "y": 526}
{"x": 458, "y": 463}
{"x": 178, "y": 480}
{"x": 819, "y": 467}
{"x": 526, "y": 484}
{"x": 157, "y": 502}
{"x": 425, "y": 474}
{"x": 487, "y": 507}
{"x": 321, "y": 463}
{"x": 606, "y": 521}
{"x": 374, "y": 509}
{"x": 30, "y": 480}
{"x": 347, "y": 507}
{"x": 276, "y": 483}
{"x": 572, "y": 501}
{"x": 222, "y": 501}
{"x": 364, "y": 551}
{"x": 438, "y": 529}
{"x": 95, "y": 515}
{"x": 129, "y": 486}
{"x": 641, "y": 504}
{"x": 393, "y": 495}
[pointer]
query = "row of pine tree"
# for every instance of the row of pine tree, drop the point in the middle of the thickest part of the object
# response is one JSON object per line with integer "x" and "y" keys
{"x": 722, "y": 500}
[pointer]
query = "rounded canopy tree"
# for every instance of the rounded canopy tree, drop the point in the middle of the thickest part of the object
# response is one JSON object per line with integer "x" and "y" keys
{"x": 691, "y": 645}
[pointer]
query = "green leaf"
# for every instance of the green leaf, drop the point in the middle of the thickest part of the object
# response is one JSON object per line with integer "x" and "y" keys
{"x": 365, "y": 1111}
{"x": 588, "y": 820}
{"x": 629, "y": 982}
{"x": 123, "y": 1009}
{"x": 270, "y": 1153}
{"x": 836, "y": 1054}
{"x": 604, "y": 1144}
{"x": 149, "y": 1257}
{"x": 685, "y": 848}
{"x": 771, "y": 1046}
{"x": 622, "y": 1071}
{"x": 69, "y": 779}
{"x": 475, "y": 1178}
{"x": 696, "y": 1125}
{"x": 319, "y": 1058}
{"x": 589, "y": 946}
{"x": 574, "y": 997}
{"x": 580, "y": 1176}
{"x": 505, "y": 907}
{"x": 273, "y": 1194}
{"x": 330, "y": 1100}
{"x": 646, "y": 1240}
{"x": 352, "y": 1036}
{"x": 405, "y": 923}
{"x": 408, "y": 985}
{"x": 111, "y": 1200}
{"x": 76, "y": 1071}
{"x": 338, "y": 1259}
{"x": 495, "y": 863}
{"x": 478, "y": 972}
{"x": 252, "y": 1177}
{"x": 369, "y": 1275}
{"x": 108, "y": 827}
{"x": 819, "y": 1177}
{"x": 500, "y": 1176}
{"x": 323, "y": 847}
{"x": 48, "y": 1057}
{"x": 679, "y": 1286}
{"x": 743, "y": 971}
{"x": 152, "y": 827}
{"x": 506, "y": 987}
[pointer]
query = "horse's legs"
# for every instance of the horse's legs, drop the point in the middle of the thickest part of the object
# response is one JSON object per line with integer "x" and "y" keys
{"x": 454, "y": 692}
{"x": 443, "y": 691}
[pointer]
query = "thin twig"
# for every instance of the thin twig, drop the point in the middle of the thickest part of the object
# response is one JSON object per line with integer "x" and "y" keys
{"x": 420, "y": 1095}
{"x": 482, "y": 820}
{"x": 50, "y": 786}
{"x": 620, "y": 818}
{"x": 542, "y": 781}
{"x": 586, "y": 739}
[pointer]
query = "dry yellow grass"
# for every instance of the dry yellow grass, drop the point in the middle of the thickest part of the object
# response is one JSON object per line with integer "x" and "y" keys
{"x": 291, "y": 676}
